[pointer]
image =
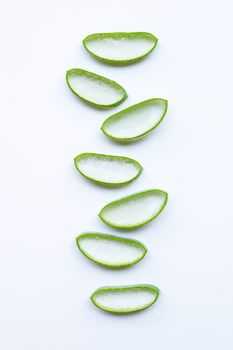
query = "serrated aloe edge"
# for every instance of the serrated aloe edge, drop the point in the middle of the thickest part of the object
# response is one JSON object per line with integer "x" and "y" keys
{"x": 135, "y": 210}
{"x": 94, "y": 89}
{"x": 125, "y": 299}
{"x": 107, "y": 169}
{"x": 135, "y": 121}
{"x": 110, "y": 251}
{"x": 120, "y": 47}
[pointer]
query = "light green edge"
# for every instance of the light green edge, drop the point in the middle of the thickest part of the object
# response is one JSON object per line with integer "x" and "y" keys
{"x": 112, "y": 82}
{"x": 132, "y": 108}
{"x": 111, "y": 238}
{"x": 151, "y": 287}
{"x": 110, "y": 184}
{"x": 119, "y": 34}
{"x": 138, "y": 194}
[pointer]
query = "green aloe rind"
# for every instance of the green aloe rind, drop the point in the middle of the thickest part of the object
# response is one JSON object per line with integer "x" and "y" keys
{"x": 94, "y": 89}
{"x": 125, "y": 299}
{"x": 107, "y": 169}
{"x": 135, "y": 210}
{"x": 110, "y": 251}
{"x": 135, "y": 121}
{"x": 120, "y": 47}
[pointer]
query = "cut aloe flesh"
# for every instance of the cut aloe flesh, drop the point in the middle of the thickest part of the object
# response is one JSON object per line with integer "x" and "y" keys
{"x": 135, "y": 210}
{"x": 135, "y": 121}
{"x": 110, "y": 251}
{"x": 107, "y": 169}
{"x": 125, "y": 299}
{"x": 95, "y": 89}
{"x": 120, "y": 47}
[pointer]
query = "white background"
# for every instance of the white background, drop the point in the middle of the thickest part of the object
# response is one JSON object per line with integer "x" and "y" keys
{"x": 45, "y": 282}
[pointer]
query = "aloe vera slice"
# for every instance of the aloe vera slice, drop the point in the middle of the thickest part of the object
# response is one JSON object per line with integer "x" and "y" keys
{"x": 120, "y": 47}
{"x": 107, "y": 169}
{"x": 110, "y": 251}
{"x": 134, "y": 210}
{"x": 95, "y": 89}
{"x": 135, "y": 121}
{"x": 125, "y": 299}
